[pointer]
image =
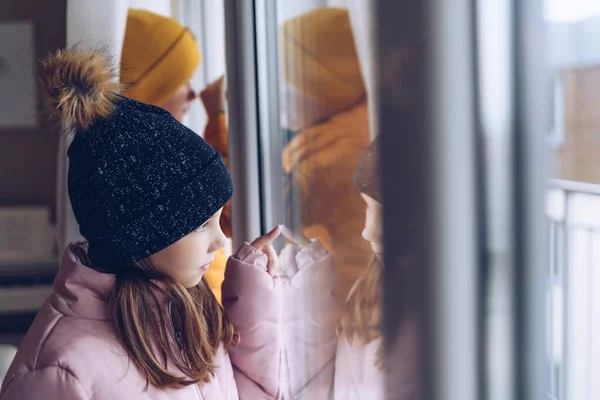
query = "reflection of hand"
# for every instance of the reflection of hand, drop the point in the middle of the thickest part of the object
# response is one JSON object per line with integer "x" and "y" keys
{"x": 265, "y": 244}
{"x": 297, "y": 238}
{"x": 213, "y": 97}
{"x": 299, "y": 253}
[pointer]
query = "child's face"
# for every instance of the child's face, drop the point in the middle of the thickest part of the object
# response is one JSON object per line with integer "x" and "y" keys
{"x": 179, "y": 103}
{"x": 186, "y": 260}
{"x": 373, "y": 230}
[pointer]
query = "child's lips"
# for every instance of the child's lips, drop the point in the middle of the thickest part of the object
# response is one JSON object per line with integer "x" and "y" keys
{"x": 205, "y": 267}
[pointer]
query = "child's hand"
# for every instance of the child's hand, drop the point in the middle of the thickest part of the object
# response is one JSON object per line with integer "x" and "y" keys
{"x": 264, "y": 243}
{"x": 214, "y": 97}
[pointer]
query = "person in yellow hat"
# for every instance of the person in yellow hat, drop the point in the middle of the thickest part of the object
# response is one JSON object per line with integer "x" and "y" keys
{"x": 326, "y": 105}
{"x": 158, "y": 60}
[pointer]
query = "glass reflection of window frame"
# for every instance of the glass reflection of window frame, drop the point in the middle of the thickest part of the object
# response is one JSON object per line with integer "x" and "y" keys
{"x": 280, "y": 199}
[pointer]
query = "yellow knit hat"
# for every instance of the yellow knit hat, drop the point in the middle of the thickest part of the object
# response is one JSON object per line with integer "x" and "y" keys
{"x": 321, "y": 65}
{"x": 159, "y": 56}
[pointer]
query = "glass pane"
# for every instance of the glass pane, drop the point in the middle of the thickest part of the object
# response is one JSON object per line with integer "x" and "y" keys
{"x": 573, "y": 211}
{"x": 324, "y": 130}
{"x": 573, "y": 29}
{"x": 321, "y": 179}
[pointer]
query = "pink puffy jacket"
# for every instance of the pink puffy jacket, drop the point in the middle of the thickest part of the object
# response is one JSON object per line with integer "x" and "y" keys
{"x": 289, "y": 345}
{"x": 72, "y": 353}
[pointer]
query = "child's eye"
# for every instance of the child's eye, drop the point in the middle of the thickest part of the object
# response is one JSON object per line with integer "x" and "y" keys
{"x": 201, "y": 228}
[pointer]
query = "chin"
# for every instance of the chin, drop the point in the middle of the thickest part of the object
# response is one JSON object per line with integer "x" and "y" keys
{"x": 192, "y": 283}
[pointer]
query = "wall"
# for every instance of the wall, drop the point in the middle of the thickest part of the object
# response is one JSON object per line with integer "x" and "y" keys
{"x": 163, "y": 7}
{"x": 28, "y": 157}
{"x": 578, "y": 158}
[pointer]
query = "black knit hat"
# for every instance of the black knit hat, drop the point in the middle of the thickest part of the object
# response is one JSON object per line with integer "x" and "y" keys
{"x": 366, "y": 176}
{"x": 138, "y": 179}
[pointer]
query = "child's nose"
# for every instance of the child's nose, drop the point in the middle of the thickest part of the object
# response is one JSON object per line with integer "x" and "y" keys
{"x": 191, "y": 94}
{"x": 218, "y": 243}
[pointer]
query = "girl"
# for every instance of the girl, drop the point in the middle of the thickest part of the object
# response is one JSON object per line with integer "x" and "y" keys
{"x": 158, "y": 60}
{"x": 131, "y": 316}
{"x": 351, "y": 365}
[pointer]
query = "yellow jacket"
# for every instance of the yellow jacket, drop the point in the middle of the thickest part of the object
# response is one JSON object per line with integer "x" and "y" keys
{"x": 321, "y": 160}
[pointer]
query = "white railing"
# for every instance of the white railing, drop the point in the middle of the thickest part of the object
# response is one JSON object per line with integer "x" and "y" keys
{"x": 573, "y": 301}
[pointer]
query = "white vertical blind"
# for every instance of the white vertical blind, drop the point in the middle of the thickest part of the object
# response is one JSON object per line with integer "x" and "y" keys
{"x": 361, "y": 17}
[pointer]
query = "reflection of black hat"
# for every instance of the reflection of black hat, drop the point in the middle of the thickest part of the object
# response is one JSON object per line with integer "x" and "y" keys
{"x": 366, "y": 176}
{"x": 138, "y": 179}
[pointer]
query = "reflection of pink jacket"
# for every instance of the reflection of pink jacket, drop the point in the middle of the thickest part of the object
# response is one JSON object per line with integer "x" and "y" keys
{"x": 319, "y": 366}
{"x": 71, "y": 352}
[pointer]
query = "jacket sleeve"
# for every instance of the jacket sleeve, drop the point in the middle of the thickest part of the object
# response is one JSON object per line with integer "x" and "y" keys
{"x": 50, "y": 383}
{"x": 216, "y": 135}
{"x": 251, "y": 301}
{"x": 311, "y": 312}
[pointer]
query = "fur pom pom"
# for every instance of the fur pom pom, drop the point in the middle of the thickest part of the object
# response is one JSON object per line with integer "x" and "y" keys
{"x": 79, "y": 85}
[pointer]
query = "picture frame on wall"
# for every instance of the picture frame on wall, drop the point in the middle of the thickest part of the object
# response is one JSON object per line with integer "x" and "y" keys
{"x": 18, "y": 104}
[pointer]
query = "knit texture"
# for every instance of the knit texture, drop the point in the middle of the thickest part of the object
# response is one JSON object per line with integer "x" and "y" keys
{"x": 139, "y": 181}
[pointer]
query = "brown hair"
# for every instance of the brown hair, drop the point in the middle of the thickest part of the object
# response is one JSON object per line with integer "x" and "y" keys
{"x": 154, "y": 316}
{"x": 361, "y": 316}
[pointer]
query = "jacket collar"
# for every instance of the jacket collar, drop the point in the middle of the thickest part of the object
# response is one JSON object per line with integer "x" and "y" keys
{"x": 79, "y": 290}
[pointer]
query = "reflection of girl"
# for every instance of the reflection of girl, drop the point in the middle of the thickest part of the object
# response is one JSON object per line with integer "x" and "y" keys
{"x": 131, "y": 316}
{"x": 360, "y": 328}
{"x": 354, "y": 369}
